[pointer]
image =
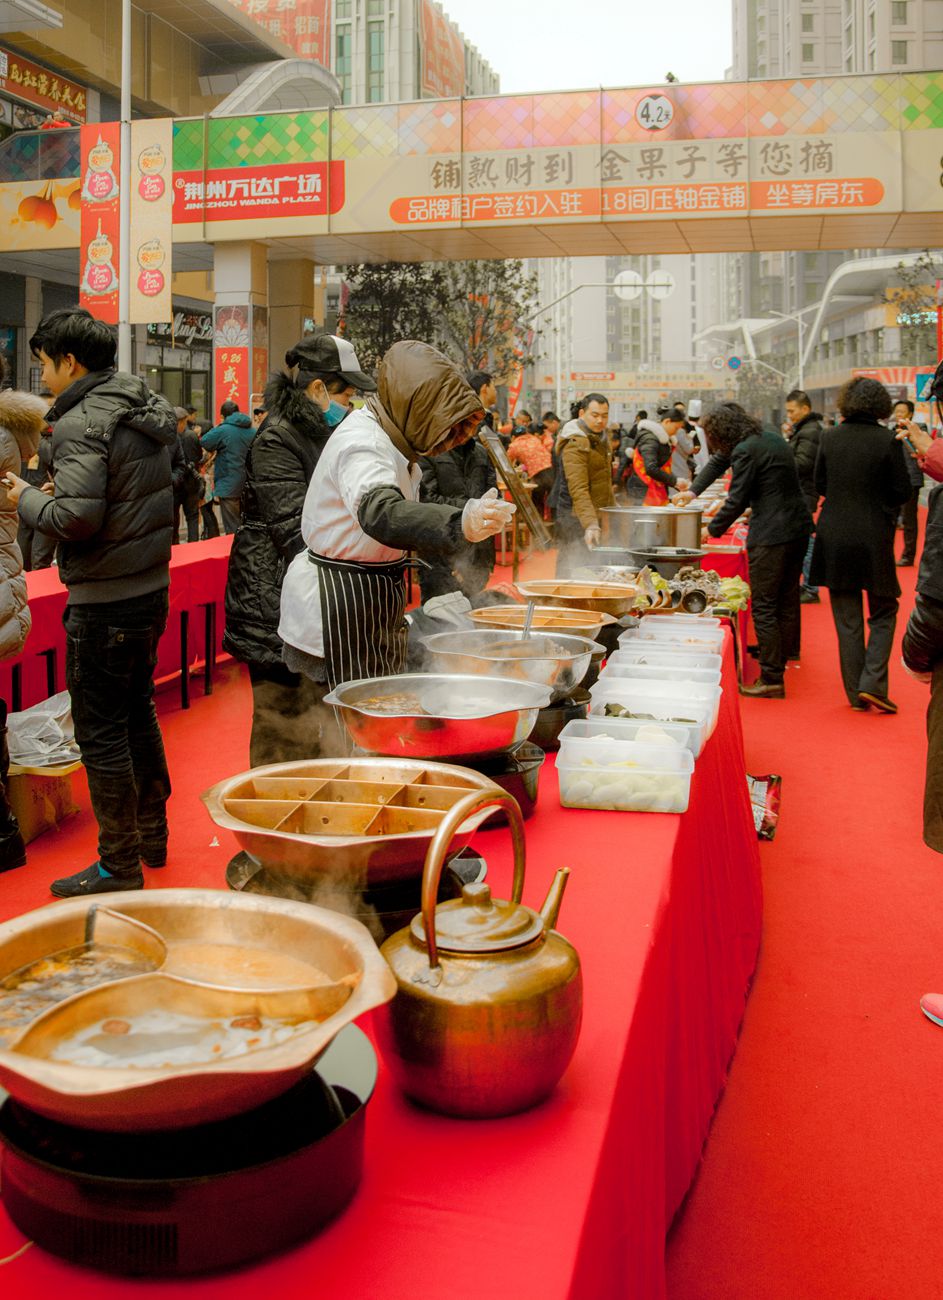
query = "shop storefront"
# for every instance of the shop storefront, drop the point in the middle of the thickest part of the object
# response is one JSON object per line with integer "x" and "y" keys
{"x": 178, "y": 360}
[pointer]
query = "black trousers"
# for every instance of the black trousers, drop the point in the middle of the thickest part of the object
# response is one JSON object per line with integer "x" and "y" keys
{"x": 908, "y": 514}
{"x": 864, "y": 666}
{"x": 111, "y": 653}
{"x": 774, "y": 587}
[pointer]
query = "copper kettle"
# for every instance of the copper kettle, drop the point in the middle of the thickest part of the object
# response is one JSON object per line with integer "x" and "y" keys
{"x": 490, "y": 997}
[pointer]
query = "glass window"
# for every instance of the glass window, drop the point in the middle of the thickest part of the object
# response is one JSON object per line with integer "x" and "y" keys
{"x": 374, "y": 8}
{"x": 808, "y": 21}
{"x": 899, "y": 12}
{"x": 898, "y": 53}
{"x": 341, "y": 9}
{"x": 343, "y": 60}
{"x": 808, "y": 53}
{"x": 375, "y": 62}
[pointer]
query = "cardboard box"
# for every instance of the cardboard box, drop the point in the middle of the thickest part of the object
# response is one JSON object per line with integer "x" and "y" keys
{"x": 41, "y": 797}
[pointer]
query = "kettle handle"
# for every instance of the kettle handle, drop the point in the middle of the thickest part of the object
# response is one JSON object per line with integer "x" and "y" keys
{"x": 435, "y": 857}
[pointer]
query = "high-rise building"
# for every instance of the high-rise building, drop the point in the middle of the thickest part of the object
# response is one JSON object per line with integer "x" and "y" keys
{"x": 812, "y": 38}
{"x": 388, "y": 51}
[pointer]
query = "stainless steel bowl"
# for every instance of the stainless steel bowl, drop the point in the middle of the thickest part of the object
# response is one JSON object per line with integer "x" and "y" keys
{"x": 615, "y": 598}
{"x": 334, "y": 827}
{"x": 559, "y": 662}
{"x": 454, "y": 715}
{"x": 550, "y": 619}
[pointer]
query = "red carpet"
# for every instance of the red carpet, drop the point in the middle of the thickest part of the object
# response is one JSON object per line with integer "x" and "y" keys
{"x": 822, "y": 1173}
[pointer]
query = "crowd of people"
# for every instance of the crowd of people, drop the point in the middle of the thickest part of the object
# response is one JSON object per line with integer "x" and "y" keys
{"x": 327, "y": 500}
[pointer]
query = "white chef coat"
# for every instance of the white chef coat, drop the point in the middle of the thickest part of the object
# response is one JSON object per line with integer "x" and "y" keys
{"x": 359, "y": 456}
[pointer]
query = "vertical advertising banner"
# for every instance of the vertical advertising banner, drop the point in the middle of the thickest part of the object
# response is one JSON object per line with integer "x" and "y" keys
{"x": 98, "y": 253}
{"x": 152, "y": 200}
{"x": 232, "y": 349}
{"x": 442, "y": 69}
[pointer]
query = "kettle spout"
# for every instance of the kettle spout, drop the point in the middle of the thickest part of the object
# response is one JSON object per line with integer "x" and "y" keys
{"x": 551, "y": 907}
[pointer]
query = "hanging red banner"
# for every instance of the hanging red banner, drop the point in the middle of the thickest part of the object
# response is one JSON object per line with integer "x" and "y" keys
{"x": 100, "y": 229}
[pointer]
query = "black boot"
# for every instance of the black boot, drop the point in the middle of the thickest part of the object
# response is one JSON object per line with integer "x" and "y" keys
{"x": 12, "y": 848}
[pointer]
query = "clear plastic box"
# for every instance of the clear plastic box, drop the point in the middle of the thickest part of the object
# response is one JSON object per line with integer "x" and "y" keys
{"x": 623, "y": 775}
{"x": 663, "y": 672}
{"x": 651, "y": 652}
{"x": 662, "y": 701}
{"x": 682, "y": 635}
{"x": 680, "y": 735}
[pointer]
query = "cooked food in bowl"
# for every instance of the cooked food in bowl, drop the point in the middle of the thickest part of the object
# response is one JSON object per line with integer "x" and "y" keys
{"x": 402, "y": 703}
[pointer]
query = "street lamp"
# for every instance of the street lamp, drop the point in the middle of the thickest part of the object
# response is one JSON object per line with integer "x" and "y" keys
{"x": 800, "y": 325}
{"x": 627, "y": 285}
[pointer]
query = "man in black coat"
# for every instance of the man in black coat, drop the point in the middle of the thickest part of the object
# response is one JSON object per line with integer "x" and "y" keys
{"x": 112, "y": 515}
{"x": 764, "y": 478}
{"x": 804, "y": 436}
{"x": 862, "y": 476}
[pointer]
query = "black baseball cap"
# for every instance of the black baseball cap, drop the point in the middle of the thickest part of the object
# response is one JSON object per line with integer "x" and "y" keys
{"x": 330, "y": 354}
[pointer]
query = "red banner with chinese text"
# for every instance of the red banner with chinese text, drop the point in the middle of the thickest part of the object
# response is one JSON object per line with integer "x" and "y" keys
{"x": 305, "y": 25}
{"x": 442, "y": 53}
{"x": 252, "y": 193}
{"x": 98, "y": 251}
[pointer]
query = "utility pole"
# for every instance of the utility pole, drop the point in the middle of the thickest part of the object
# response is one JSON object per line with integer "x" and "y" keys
{"x": 124, "y": 196}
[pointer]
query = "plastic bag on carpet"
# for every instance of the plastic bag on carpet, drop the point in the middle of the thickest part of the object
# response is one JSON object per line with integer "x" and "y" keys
{"x": 42, "y": 736}
{"x": 765, "y": 796}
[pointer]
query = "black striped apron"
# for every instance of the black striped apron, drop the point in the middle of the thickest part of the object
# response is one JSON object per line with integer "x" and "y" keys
{"x": 363, "y": 623}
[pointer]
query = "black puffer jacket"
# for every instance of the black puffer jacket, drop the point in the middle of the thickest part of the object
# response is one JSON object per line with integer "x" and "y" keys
{"x": 113, "y": 509}
{"x": 805, "y": 447}
{"x": 279, "y": 466}
{"x": 451, "y": 479}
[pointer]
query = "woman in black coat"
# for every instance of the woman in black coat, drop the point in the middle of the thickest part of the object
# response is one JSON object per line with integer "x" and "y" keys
{"x": 861, "y": 473}
{"x": 301, "y": 408}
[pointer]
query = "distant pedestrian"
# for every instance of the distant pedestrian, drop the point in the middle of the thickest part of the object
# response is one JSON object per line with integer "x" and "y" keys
{"x": 187, "y": 482}
{"x": 230, "y": 440}
{"x": 861, "y": 473}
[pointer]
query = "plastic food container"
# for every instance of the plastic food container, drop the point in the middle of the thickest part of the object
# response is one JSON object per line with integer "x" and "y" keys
{"x": 682, "y": 635}
{"x": 675, "y": 734}
{"x": 660, "y": 702}
{"x": 623, "y": 775}
{"x": 650, "y": 652}
{"x": 663, "y": 672}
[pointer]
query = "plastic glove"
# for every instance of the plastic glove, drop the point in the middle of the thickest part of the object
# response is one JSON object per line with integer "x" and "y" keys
{"x": 926, "y": 678}
{"x": 682, "y": 498}
{"x": 485, "y": 516}
{"x": 592, "y": 536}
{"x": 682, "y": 484}
{"x": 452, "y": 608}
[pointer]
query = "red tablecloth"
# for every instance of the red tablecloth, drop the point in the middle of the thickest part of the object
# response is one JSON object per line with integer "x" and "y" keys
{"x": 197, "y": 576}
{"x": 573, "y": 1199}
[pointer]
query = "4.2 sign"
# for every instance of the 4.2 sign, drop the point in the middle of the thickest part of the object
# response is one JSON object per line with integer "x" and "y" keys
{"x": 654, "y": 112}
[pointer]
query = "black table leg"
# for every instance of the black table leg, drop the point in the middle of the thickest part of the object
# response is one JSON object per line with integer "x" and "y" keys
{"x": 185, "y": 659}
{"x": 209, "y": 641}
{"x": 52, "y": 657}
{"x": 17, "y": 701}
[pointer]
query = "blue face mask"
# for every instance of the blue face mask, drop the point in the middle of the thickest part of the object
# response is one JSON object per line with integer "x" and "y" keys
{"x": 334, "y": 414}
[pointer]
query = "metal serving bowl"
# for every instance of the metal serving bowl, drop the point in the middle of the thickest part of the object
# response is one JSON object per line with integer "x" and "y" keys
{"x": 549, "y": 618}
{"x": 559, "y": 662}
{"x": 138, "y": 1098}
{"x": 615, "y": 598}
{"x": 342, "y": 825}
{"x": 458, "y": 715}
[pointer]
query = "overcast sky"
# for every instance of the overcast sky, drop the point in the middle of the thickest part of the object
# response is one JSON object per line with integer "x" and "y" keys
{"x": 572, "y": 45}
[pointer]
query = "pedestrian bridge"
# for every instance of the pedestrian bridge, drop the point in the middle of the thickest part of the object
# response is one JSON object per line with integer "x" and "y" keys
{"x": 842, "y": 162}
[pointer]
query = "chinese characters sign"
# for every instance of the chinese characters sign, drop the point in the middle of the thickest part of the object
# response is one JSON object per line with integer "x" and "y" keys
{"x": 253, "y": 193}
{"x": 305, "y": 25}
{"x": 442, "y": 53}
{"x": 44, "y": 89}
{"x": 98, "y": 258}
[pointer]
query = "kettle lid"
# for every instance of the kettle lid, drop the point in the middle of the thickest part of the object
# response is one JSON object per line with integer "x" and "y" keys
{"x": 478, "y": 923}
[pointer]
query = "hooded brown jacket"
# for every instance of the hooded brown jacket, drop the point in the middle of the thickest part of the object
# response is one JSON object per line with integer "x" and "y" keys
{"x": 586, "y": 458}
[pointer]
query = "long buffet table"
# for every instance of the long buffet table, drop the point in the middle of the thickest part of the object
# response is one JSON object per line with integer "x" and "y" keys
{"x": 574, "y": 1198}
{"x": 194, "y": 626}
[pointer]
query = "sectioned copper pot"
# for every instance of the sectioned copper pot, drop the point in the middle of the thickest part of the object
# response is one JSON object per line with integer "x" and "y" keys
{"x": 489, "y": 1001}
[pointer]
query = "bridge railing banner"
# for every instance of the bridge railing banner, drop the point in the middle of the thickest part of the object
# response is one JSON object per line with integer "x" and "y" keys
{"x": 663, "y": 164}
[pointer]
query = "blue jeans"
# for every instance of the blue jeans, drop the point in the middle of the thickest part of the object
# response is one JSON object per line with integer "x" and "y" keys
{"x": 111, "y": 653}
{"x": 813, "y": 591}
